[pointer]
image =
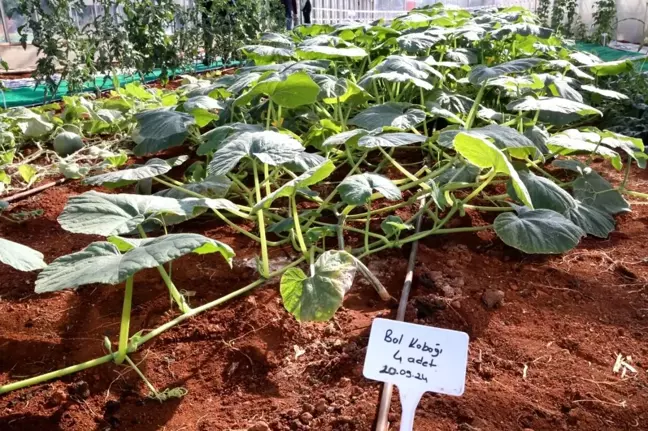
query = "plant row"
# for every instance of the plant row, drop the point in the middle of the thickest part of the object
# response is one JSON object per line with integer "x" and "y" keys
{"x": 323, "y": 137}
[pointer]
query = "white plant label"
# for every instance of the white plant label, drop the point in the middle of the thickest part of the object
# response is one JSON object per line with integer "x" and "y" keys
{"x": 417, "y": 359}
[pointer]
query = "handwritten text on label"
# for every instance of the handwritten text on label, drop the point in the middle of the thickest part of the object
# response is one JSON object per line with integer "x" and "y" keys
{"x": 417, "y": 356}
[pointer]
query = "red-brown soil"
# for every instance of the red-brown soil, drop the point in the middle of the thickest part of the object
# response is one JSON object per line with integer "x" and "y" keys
{"x": 564, "y": 319}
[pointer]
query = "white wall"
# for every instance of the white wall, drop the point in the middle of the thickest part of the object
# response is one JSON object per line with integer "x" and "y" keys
{"x": 628, "y": 14}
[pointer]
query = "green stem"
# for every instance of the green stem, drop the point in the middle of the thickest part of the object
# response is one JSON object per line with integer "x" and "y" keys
{"x": 265, "y": 271}
{"x": 627, "y": 174}
{"x": 366, "y": 229}
{"x": 486, "y": 208}
{"x": 199, "y": 196}
{"x": 473, "y": 110}
{"x": 635, "y": 194}
{"x": 297, "y": 224}
{"x": 269, "y": 114}
{"x": 425, "y": 129}
{"x": 125, "y": 321}
{"x": 481, "y": 187}
{"x": 143, "y": 377}
{"x": 424, "y": 234}
{"x": 402, "y": 170}
{"x": 242, "y": 186}
{"x": 56, "y": 374}
{"x": 173, "y": 290}
{"x": 215, "y": 303}
{"x": 266, "y": 176}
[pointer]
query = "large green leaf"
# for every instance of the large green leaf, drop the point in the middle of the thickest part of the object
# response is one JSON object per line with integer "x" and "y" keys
{"x": 31, "y": 124}
{"x": 242, "y": 81}
{"x": 159, "y": 129}
{"x": 459, "y": 172}
{"x": 290, "y": 91}
{"x": 453, "y": 102}
{"x": 391, "y": 114}
{"x": 480, "y": 74}
{"x": 610, "y": 94}
{"x": 554, "y": 110}
{"x": 395, "y": 77}
{"x": 20, "y": 257}
{"x": 591, "y": 220}
{"x": 356, "y": 189}
{"x": 481, "y": 152}
{"x": 504, "y": 138}
{"x": 276, "y": 39}
{"x": 585, "y": 58}
{"x": 462, "y": 56}
{"x": 633, "y": 147}
{"x": 566, "y": 65}
{"x": 265, "y": 54}
{"x": 575, "y": 141}
{"x": 414, "y": 43}
{"x": 310, "y": 177}
{"x": 544, "y": 193}
{"x": 268, "y": 147}
{"x": 304, "y": 161}
{"x": 152, "y": 168}
{"x": 592, "y": 189}
{"x": 612, "y": 67}
{"x": 539, "y": 231}
{"x": 522, "y": 29}
{"x": 217, "y": 137}
{"x": 411, "y": 20}
{"x": 314, "y": 52}
{"x": 102, "y": 262}
{"x": 595, "y": 191}
{"x": 340, "y": 90}
{"x": 215, "y": 186}
{"x": 104, "y": 214}
{"x": 349, "y": 137}
{"x": 203, "y": 102}
{"x": 325, "y": 40}
{"x": 376, "y": 139}
{"x": 318, "y": 297}
{"x": 406, "y": 66}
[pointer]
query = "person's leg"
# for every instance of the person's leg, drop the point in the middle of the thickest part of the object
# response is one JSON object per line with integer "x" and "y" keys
{"x": 307, "y": 12}
{"x": 289, "y": 18}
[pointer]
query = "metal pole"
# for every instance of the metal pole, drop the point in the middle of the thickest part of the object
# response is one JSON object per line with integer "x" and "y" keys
{"x": 382, "y": 422}
{"x": 4, "y": 22}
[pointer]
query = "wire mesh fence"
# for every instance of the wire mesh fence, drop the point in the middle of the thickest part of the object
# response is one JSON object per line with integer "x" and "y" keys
{"x": 340, "y": 11}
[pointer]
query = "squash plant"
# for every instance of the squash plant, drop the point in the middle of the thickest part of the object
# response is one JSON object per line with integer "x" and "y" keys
{"x": 327, "y": 132}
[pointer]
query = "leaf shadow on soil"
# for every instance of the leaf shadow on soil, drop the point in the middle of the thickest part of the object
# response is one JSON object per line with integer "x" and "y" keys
{"x": 18, "y": 422}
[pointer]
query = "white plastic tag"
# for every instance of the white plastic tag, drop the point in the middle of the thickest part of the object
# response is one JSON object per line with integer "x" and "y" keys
{"x": 417, "y": 359}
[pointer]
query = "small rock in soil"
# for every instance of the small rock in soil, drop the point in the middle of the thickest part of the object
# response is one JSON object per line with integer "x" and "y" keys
{"x": 436, "y": 276}
{"x": 344, "y": 382}
{"x": 345, "y": 419}
{"x": 447, "y": 290}
{"x": 349, "y": 347}
{"x": 321, "y": 406}
{"x": 79, "y": 389}
{"x": 492, "y": 298}
{"x": 308, "y": 408}
{"x": 57, "y": 398}
{"x": 292, "y": 413}
{"x": 306, "y": 417}
{"x": 259, "y": 426}
{"x": 456, "y": 305}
